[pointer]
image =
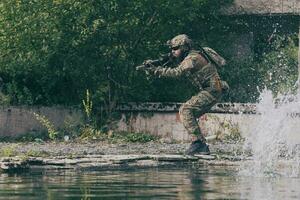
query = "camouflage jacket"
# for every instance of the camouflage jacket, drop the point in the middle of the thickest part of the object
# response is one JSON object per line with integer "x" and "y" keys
{"x": 202, "y": 77}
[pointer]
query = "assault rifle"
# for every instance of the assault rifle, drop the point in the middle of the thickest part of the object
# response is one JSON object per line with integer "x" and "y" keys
{"x": 163, "y": 61}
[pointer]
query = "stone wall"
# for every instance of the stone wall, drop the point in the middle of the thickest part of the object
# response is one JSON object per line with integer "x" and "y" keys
{"x": 15, "y": 121}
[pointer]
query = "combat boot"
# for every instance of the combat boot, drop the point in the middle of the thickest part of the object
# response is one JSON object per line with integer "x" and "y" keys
{"x": 198, "y": 147}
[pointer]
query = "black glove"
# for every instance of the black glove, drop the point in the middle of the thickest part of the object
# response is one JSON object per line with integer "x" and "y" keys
{"x": 146, "y": 64}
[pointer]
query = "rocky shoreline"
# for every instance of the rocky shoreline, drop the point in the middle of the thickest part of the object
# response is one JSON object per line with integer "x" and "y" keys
{"x": 105, "y": 155}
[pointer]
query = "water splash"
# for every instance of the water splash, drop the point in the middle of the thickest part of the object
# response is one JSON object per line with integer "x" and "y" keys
{"x": 273, "y": 137}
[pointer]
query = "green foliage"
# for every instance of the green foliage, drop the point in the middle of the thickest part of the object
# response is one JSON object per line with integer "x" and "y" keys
{"x": 88, "y": 105}
{"x": 88, "y": 132}
{"x": 51, "y": 51}
{"x": 32, "y": 153}
{"x": 91, "y": 133}
{"x": 276, "y": 69}
{"x": 52, "y": 133}
{"x": 8, "y": 151}
{"x": 4, "y": 99}
{"x": 11, "y": 151}
{"x": 279, "y": 68}
{"x": 139, "y": 137}
{"x": 133, "y": 137}
{"x": 243, "y": 78}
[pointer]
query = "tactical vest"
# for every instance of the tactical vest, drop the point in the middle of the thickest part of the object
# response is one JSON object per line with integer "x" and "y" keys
{"x": 204, "y": 77}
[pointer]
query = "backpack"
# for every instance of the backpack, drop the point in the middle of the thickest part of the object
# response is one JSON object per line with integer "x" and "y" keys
{"x": 214, "y": 56}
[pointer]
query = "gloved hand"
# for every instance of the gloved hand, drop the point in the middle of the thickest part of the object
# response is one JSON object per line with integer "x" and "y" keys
{"x": 141, "y": 68}
{"x": 225, "y": 86}
{"x": 146, "y": 64}
{"x": 149, "y": 71}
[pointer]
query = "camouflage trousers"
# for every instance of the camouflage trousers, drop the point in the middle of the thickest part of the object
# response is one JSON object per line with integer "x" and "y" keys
{"x": 191, "y": 110}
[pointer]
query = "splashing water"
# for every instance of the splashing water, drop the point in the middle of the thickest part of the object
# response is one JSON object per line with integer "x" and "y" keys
{"x": 273, "y": 137}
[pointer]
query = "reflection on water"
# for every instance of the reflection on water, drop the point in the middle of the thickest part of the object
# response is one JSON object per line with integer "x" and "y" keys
{"x": 175, "y": 183}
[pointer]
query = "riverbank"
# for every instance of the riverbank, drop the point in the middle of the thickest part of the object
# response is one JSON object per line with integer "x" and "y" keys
{"x": 108, "y": 155}
{"x": 82, "y": 148}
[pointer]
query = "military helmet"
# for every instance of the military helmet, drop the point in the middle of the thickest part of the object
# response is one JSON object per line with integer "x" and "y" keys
{"x": 182, "y": 41}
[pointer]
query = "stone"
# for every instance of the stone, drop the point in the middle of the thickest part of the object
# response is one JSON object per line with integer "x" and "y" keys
{"x": 205, "y": 157}
{"x": 8, "y": 164}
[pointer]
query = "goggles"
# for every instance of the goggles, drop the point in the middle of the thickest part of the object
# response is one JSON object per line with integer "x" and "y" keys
{"x": 175, "y": 48}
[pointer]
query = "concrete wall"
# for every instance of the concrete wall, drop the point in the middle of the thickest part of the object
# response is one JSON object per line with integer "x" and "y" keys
{"x": 263, "y": 7}
{"x": 169, "y": 127}
{"x": 15, "y": 121}
{"x": 160, "y": 119}
{"x": 163, "y": 120}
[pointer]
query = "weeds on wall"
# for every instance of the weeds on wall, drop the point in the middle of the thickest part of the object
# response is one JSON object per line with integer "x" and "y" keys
{"x": 87, "y": 105}
{"x": 88, "y": 130}
{"x": 52, "y": 132}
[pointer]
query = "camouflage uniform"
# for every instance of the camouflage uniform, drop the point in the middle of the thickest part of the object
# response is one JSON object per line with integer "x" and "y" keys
{"x": 205, "y": 78}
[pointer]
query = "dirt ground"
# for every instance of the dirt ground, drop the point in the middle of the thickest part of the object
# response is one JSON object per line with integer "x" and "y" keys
{"x": 107, "y": 148}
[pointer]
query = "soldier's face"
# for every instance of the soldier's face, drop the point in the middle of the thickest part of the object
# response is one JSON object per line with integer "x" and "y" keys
{"x": 176, "y": 52}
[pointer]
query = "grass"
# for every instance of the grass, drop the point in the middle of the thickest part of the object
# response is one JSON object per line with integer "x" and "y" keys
{"x": 11, "y": 151}
{"x": 90, "y": 133}
{"x": 85, "y": 133}
{"x": 133, "y": 137}
{"x": 8, "y": 151}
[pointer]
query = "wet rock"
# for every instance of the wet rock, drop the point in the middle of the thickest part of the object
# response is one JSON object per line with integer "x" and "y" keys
{"x": 104, "y": 155}
{"x": 232, "y": 158}
{"x": 173, "y": 158}
{"x": 206, "y": 157}
{"x": 10, "y": 164}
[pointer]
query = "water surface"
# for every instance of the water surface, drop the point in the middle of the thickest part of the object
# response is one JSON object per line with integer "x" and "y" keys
{"x": 167, "y": 183}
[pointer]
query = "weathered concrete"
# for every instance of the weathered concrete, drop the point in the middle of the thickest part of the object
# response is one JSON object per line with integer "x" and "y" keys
{"x": 223, "y": 121}
{"x": 233, "y": 108}
{"x": 15, "y": 121}
{"x": 241, "y": 45}
{"x": 169, "y": 127}
{"x": 109, "y": 162}
{"x": 163, "y": 120}
{"x": 263, "y": 7}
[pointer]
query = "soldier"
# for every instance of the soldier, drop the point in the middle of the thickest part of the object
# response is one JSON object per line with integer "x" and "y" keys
{"x": 199, "y": 67}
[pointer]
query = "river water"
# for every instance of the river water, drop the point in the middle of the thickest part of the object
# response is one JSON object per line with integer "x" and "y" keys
{"x": 205, "y": 182}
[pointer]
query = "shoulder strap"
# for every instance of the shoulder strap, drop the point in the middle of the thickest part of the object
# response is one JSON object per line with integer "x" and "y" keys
{"x": 207, "y": 56}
